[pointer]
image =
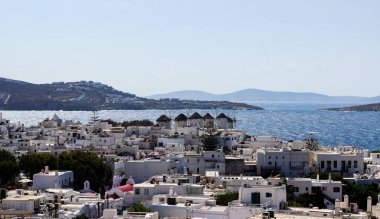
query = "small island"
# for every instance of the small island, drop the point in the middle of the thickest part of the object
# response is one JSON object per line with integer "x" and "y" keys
{"x": 374, "y": 107}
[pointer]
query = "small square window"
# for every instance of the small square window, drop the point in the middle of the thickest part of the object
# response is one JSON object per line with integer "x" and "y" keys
{"x": 146, "y": 191}
{"x": 336, "y": 189}
{"x": 137, "y": 191}
{"x": 268, "y": 194}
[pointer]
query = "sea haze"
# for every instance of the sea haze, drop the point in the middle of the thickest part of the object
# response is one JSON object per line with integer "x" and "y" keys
{"x": 287, "y": 121}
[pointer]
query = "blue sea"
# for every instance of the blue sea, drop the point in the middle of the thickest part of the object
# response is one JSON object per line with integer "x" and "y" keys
{"x": 288, "y": 121}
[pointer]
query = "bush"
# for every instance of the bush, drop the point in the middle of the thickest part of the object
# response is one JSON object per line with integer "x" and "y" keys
{"x": 225, "y": 198}
{"x": 138, "y": 207}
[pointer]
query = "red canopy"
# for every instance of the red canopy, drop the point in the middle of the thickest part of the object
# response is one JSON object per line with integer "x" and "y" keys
{"x": 126, "y": 188}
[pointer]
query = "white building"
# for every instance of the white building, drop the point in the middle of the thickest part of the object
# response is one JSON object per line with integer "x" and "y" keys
{"x": 29, "y": 203}
{"x": 332, "y": 190}
{"x": 199, "y": 207}
{"x": 52, "y": 179}
{"x": 264, "y": 196}
{"x": 163, "y": 142}
{"x": 142, "y": 170}
{"x": 344, "y": 159}
{"x": 289, "y": 163}
{"x": 215, "y": 161}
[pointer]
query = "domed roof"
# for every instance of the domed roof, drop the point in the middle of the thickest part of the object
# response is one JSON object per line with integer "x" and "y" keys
{"x": 163, "y": 118}
{"x": 195, "y": 116}
{"x": 181, "y": 117}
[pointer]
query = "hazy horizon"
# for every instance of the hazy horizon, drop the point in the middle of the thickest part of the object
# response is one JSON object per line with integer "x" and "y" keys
{"x": 154, "y": 47}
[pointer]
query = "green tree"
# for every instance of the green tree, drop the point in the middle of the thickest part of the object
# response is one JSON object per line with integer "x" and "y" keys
{"x": 210, "y": 142}
{"x": 8, "y": 168}
{"x": 86, "y": 166}
{"x": 225, "y": 198}
{"x": 138, "y": 207}
{"x": 360, "y": 193}
{"x": 33, "y": 163}
{"x": 94, "y": 116}
{"x": 311, "y": 142}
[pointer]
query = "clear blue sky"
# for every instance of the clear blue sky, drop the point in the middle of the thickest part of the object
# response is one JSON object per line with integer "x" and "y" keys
{"x": 149, "y": 47}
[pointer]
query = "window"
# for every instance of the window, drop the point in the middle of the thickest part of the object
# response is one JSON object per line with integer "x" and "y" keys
{"x": 146, "y": 191}
{"x": 295, "y": 189}
{"x": 349, "y": 164}
{"x": 336, "y": 189}
{"x": 137, "y": 191}
{"x": 355, "y": 164}
{"x": 307, "y": 189}
{"x": 283, "y": 157}
{"x": 268, "y": 194}
{"x": 212, "y": 156}
{"x": 378, "y": 156}
{"x": 335, "y": 164}
{"x": 322, "y": 164}
{"x": 269, "y": 157}
{"x": 269, "y": 163}
{"x": 328, "y": 165}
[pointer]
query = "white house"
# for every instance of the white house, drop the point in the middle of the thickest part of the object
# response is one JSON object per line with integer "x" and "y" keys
{"x": 264, "y": 196}
{"x": 28, "y": 203}
{"x": 331, "y": 189}
{"x": 52, "y": 179}
{"x": 289, "y": 163}
{"x": 344, "y": 159}
{"x": 173, "y": 206}
{"x": 142, "y": 170}
{"x": 163, "y": 142}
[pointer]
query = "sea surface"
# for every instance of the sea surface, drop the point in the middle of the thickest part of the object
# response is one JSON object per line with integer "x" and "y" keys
{"x": 288, "y": 121}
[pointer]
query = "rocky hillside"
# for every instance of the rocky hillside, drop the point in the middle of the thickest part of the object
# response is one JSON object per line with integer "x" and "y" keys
{"x": 88, "y": 95}
{"x": 368, "y": 107}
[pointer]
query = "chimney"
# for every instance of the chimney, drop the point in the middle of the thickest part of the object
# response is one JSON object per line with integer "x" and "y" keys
{"x": 329, "y": 177}
{"x": 317, "y": 176}
{"x": 369, "y": 204}
{"x": 46, "y": 169}
{"x": 171, "y": 191}
{"x": 346, "y": 201}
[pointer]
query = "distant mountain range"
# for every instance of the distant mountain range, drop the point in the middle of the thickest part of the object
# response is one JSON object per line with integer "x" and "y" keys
{"x": 360, "y": 108}
{"x": 249, "y": 95}
{"x": 88, "y": 95}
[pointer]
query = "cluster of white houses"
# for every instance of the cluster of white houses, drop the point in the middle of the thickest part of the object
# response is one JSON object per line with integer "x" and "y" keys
{"x": 169, "y": 170}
